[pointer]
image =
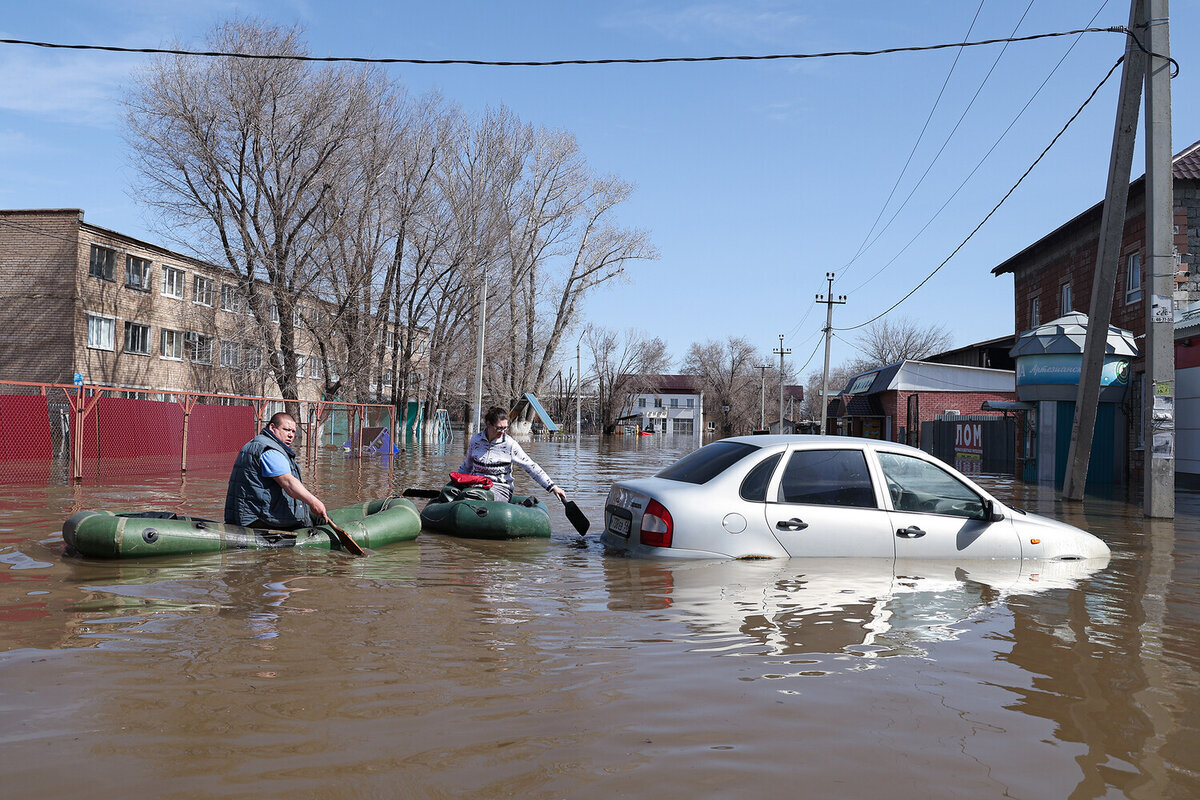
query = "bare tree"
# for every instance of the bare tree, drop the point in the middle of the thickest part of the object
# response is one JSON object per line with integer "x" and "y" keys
{"x": 884, "y": 343}
{"x": 621, "y": 362}
{"x": 561, "y": 243}
{"x": 728, "y": 373}
{"x": 240, "y": 154}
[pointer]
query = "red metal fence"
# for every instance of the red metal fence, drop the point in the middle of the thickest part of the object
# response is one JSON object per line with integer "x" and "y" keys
{"x": 81, "y": 432}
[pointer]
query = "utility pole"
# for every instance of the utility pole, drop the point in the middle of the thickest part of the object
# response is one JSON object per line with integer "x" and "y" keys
{"x": 782, "y": 352}
{"x": 829, "y": 302}
{"x": 1158, "y": 407}
{"x": 1104, "y": 279}
{"x": 762, "y": 398}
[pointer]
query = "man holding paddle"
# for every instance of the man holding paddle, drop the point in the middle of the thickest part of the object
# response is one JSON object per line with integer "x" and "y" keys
{"x": 265, "y": 490}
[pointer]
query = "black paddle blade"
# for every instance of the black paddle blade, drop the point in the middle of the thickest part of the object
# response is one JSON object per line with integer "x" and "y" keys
{"x": 576, "y": 517}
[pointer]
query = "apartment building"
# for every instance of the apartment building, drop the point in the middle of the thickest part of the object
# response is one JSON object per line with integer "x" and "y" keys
{"x": 82, "y": 303}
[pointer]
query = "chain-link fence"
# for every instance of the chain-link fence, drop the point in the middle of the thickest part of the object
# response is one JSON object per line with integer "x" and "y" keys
{"x": 51, "y": 432}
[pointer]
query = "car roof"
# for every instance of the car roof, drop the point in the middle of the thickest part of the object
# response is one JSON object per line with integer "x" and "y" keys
{"x": 818, "y": 441}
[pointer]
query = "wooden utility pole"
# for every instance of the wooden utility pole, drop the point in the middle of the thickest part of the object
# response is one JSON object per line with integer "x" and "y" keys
{"x": 1158, "y": 408}
{"x": 829, "y": 304}
{"x": 782, "y": 352}
{"x": 1104, "y": 279}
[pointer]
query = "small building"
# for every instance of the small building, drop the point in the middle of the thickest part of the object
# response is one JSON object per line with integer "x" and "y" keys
{"x": 1049, "y": 359}
{"x": 892, "y": 402}
{"x": 670, "y": 404}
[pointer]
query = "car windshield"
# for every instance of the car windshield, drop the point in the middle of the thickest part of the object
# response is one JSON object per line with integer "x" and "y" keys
{"x": 708, "y": 462}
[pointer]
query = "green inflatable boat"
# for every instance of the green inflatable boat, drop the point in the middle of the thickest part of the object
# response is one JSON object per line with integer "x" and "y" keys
{"x": 107, "y": 534}
{"x": 474, "y": 513}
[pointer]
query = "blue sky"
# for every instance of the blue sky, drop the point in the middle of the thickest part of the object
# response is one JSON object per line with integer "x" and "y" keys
{"x": 754, "y": 178}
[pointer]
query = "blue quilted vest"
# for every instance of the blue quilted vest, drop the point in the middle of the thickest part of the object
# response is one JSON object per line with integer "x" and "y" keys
{"x": 252, "y": 497}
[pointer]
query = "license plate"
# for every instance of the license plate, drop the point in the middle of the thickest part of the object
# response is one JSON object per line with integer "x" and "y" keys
{"x": 618, "y": 523}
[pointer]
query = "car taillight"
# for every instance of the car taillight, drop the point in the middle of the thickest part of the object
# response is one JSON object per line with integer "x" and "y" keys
{"x": 657, "y": 526}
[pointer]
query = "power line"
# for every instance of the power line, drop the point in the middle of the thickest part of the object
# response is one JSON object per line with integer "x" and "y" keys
{"x": 562, "y": 62}
{"x": 950, "y": 198}
{"x": 1001, "y": 202}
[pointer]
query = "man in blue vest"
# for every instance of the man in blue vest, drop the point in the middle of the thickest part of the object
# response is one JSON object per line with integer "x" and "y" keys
{"x": 265, "y": 490}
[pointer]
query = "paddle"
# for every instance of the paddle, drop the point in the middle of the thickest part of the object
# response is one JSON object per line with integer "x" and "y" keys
{"x": 427, "y": 493}
{"x": 576, "y": 517}
{"x": 347, "y": 542}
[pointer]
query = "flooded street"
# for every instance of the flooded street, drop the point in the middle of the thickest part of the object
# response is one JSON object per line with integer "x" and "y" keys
{"x": 458, "y": 668}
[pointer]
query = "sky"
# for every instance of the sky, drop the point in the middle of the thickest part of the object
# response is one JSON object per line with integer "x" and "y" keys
{"x": 754, "y": 178}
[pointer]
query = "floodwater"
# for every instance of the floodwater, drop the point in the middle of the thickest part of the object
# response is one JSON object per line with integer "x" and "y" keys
{"x": 447, "y": 668}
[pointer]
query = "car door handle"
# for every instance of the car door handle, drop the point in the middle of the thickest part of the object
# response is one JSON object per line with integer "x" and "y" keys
{"x": 911, "y": 532}
{"x": 793, "y": 524}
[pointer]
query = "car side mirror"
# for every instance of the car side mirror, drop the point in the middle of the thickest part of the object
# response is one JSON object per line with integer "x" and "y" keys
{"x": 990, "y": 514}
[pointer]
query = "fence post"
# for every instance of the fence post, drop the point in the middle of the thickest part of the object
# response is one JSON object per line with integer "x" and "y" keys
{"x": 189, "y": 402}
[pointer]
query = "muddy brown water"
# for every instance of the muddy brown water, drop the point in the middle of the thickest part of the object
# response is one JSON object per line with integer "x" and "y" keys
{"x": 448, "y": 668}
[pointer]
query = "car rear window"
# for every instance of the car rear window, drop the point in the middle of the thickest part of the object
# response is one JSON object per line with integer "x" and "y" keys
{"x": 708, "y": 462}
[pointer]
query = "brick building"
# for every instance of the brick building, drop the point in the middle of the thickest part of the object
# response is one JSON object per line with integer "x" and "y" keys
{"x": 79, "y": 302}
{"x": 1053, "y": 278}
{"x": 892, "y": 402}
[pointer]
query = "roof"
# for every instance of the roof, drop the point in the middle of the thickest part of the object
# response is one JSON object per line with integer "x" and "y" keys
{"x": 1066, "y": 336}
{"x": 1185, "y": 166}
{"x": 663, "y": 384}
{"x": 927, "y": 376}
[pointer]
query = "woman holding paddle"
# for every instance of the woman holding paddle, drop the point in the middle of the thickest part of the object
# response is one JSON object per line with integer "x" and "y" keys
{"x": 492, "y": 453}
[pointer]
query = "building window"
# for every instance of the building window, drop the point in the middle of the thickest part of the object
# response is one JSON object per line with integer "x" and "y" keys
{"x": 231, "y": 355}
{"x": 674, "y": 402}
{"x": 199, "y": 348}
{"x": 274, "y": 312}
{"x": 173, "y": 282}
{"x": 137, "y": 273}
{"x": 252, "y": 357}
{"x": 100, "y": 332}
{"x": 1133, "y": 278}
{"x": 658, "y": 402}
{"x": 1064, "y": 300}
{"x": 137, "y": 338}
{"x": 102, "y": 262}
{"x": 691, "y": 402}
{"x": 171, "y": 345}
{"x": 314, "y": 367}
{"x": 641, "y": 402}
{"x": 1035, "y": 313}
{"x": 202, "y": 290}
{"x": 232, "y": 299}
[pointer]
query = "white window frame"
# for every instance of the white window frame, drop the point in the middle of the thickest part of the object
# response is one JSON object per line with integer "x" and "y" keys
{"x": 174, "y": 282}
{"x": 136, "y": 265}
{"x": 1065, "y": 304}
{"x": 101, "y": 332}
{"x": 1133, "y": 278}
{"x": 1035, "y": 312}
{"x": 170, "y": 340}
{"x": 145, "y": 337}
{"x": 203, "y": 290}
{"x": 198, "y": 347}
{"x": 252, "y": 357}
{"x": 231, "y": 354}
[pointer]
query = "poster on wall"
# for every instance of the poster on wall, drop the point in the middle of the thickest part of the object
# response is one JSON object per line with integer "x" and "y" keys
{"x": 968, "y": 447}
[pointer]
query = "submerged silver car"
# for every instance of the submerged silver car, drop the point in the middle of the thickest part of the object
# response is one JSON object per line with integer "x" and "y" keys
{"x": 825, "y": 496}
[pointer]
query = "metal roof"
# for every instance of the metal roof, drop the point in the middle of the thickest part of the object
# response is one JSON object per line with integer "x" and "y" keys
{"x": 1066, "y": 335}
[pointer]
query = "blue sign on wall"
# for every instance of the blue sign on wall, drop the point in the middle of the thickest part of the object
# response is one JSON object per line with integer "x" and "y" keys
{"x": 1046, "y": 370}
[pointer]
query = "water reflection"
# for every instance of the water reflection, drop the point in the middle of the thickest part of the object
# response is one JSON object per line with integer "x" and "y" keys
{"x": 868, "y": 608}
